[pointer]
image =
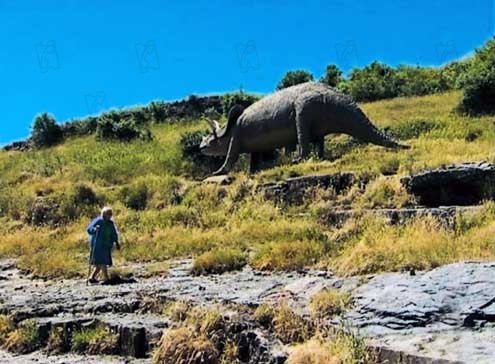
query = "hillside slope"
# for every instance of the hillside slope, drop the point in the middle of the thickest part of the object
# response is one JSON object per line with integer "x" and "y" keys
{"x": 48, "y": 196}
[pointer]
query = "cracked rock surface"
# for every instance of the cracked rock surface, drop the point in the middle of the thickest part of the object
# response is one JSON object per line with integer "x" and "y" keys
{"x": 442, "y": 314}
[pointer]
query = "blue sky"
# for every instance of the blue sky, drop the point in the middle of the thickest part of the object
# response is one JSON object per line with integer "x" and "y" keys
{"x": 74, "y": 58}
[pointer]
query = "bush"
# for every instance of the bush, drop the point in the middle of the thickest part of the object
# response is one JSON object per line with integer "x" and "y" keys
{"x": 45, "y": 131}
{"x": 479, "y": 82}
{"x": 201, "y": 164}
{"x": 333, "y": 76}
{"x": 237, "y": 98}
{"x": 121, "y": 126}
{"x": 135, "y": 196}
{"x": 293, "y": 78}
{"x": 219, "y": 261}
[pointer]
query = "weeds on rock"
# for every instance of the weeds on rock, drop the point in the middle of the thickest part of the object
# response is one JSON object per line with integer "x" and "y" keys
{"x": 328, "y": 303}
{"x": 24, "y": 339}
{"x": 181, "y": 346}
{"x": 290, "y": 327}
{"x": 6, "y": 327}
{"x": 95, "y": 341}
{"x": 264, "y": 315}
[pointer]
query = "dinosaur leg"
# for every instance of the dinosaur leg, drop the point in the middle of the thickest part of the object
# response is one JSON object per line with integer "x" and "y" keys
{"x": 320, "y": 148}
{"x": 303, "y": 133}
{"x": 254, "y": 165}
{"x": 232, "y": 156}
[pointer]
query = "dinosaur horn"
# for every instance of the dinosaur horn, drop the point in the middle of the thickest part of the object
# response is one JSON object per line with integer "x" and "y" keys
{"x": 214, "y": 126}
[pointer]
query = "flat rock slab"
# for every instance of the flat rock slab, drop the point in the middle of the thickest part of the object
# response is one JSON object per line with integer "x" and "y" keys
{"x": 442, "y": 314}
{"x": 459, "y": 184}
{"x": 426, "y": 313}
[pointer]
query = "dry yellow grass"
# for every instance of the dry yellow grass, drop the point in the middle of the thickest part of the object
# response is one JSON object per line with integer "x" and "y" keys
{"x": 328, "y": 303}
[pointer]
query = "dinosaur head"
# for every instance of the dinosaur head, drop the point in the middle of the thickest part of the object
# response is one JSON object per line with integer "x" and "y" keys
{"x": 217, "y": 143}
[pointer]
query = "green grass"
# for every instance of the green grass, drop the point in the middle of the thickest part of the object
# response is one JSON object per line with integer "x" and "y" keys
{"x": 179, "y": 217}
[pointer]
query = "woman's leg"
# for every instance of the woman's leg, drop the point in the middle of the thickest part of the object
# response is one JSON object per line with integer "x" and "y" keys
{"x": 105, "y": 272}
{"x": 95, "y": 272}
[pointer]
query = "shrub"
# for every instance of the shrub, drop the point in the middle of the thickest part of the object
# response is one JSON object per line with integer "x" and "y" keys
{"x": 121, "y": 126}
{"x": 45, "y": 131}
{"x": 479, "y": 82}
{"x": 333, "y": 76}
{"x": 237, "y": 98}
{"x": 373, "y": 82}
{"x": 293, "y": 78}
{"x": 201, "y": 164}
{"x": 219, "y": 261}
{"x": 328, "y": 303}
{"x": 182, "y": 346}
{"x": 135, "y": 196}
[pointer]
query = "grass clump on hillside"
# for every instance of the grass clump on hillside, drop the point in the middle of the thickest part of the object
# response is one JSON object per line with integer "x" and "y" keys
{"x": 162, "y": 214}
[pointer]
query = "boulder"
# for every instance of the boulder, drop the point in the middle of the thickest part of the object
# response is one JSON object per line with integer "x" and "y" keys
{"x": 460, "y": 184}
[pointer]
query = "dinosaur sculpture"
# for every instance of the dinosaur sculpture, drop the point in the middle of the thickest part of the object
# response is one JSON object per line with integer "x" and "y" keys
{"x": 300, "y": 114}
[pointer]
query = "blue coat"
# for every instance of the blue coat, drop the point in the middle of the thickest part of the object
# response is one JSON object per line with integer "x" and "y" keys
{"x": 100, "y": 250}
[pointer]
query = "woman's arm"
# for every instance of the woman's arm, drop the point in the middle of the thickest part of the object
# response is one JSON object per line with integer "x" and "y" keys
{"x": 93, "y": 226}
{"x": 115, "y": 237}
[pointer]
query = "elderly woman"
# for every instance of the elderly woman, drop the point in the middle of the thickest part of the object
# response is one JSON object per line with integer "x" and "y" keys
{"x": 103, "y": 234}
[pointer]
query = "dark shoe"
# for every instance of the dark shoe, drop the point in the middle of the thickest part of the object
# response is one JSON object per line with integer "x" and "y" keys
{"x": 92, "y": 281}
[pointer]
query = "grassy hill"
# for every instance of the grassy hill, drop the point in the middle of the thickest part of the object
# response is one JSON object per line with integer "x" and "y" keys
{"x": 48, "y": 196}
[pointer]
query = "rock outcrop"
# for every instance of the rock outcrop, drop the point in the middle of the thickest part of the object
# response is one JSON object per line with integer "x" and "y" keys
{"x": 441, "y": 316}
{"x": 460, "y": 184}
{"x": 293, "y": 190}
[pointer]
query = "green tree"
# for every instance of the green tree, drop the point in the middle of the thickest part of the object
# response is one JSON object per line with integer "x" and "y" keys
{"x": 479, "y": 82}
{"x": 296, "y": 77}
{"x": 332, "y": 76}
{"x": 373, "y": 82}
{"x": 45, "y": 131}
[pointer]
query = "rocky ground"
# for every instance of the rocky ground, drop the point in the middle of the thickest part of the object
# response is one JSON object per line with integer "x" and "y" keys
{"x": 444, "y": 315}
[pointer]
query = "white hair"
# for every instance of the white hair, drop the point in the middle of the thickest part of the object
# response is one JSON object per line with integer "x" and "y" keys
{"x": 106, "y": 210}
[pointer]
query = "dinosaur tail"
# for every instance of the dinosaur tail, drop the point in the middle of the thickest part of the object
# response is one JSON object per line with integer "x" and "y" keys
{"x": 367, "y": 132}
